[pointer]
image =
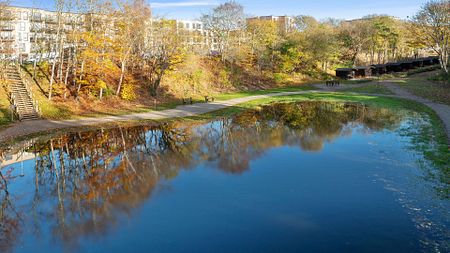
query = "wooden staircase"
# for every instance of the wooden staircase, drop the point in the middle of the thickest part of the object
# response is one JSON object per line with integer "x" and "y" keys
{"x": 20, "y": 94}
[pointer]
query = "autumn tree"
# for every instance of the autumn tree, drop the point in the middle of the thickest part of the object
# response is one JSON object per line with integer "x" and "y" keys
{"x": 354, "y": 36}
{"x": 433, "y": 23}
{"x": 264, "y": 37}
{"x": 130, "y": 22}
{"x": 163, "y": 51}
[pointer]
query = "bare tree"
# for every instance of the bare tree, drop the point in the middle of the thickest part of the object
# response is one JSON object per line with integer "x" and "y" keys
{"x": 223, "y": 21}
{"x": 433, "y": 21}
{"x": 58, "y": 44}
{"x": 130, "y": 21}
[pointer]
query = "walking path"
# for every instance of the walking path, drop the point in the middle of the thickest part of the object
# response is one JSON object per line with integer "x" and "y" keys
{"x": 31, "y": 127}
{"x": 36, "y": 126}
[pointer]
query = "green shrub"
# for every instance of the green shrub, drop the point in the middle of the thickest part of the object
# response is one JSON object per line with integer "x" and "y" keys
{"x": 441, "y": 77}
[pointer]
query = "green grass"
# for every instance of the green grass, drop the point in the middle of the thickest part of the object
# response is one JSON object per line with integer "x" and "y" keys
{"x": 373, "y": 89}
{"x": 357, "y": 81}
{"x": 386, "y": 102}
{"x": 228, "y": 96}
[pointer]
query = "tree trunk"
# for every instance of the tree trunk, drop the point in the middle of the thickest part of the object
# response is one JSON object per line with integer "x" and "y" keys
{"x": 122, "y": 73}
{"x": 155, "y": 86}
{"x": 50, "y": 89}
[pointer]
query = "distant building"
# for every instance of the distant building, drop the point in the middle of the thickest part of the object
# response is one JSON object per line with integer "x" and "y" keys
{"x": 285, "y": 23}
{"x": 23, "y": 31}
{"x": 196, "y": 37}
{"x": 27, "y": 32}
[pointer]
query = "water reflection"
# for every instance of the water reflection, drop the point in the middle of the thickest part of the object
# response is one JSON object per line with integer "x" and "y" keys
{"x": 84, "y": 181}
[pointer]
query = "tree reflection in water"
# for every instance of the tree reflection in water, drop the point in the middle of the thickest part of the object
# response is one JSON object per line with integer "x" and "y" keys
{"x": 85, "y": 180}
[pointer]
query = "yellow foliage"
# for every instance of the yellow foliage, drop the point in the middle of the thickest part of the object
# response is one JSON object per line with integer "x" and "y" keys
{"x": 128, "y": 92}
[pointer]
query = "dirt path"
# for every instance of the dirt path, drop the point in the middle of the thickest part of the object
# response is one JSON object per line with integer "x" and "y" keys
{"x": 442, "y": 110}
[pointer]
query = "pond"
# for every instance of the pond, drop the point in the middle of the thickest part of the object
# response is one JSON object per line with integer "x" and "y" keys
{"x": 287, "y": 177}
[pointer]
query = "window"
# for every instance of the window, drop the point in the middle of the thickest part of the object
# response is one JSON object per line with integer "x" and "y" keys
{"x": 25, "y": 15}
{"x": 25, "y": 37}
{"x": 23, "y": 47}
{"x": 187, "y": 25}
{"x": 22, "y": 26}
{"x": 37, "y": 16}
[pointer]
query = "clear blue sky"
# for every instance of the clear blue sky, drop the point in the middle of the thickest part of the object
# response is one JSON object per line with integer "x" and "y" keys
{"x": 342, "y": 9}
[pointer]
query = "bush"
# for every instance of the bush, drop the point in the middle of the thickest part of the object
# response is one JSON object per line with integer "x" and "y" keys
{"x": 280, "y": 77}
{"x": 128, "y": 92}
{"x": 441, "y": 77}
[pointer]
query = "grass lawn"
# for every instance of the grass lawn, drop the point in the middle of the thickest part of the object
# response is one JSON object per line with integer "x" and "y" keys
{"x": 233, "y": 95}
{"x": 372, "y": 88}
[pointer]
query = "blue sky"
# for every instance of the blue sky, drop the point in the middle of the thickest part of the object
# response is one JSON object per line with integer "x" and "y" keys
{"x": 342, "y": 9}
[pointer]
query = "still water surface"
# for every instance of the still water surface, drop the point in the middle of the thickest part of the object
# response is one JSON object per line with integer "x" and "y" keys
{"x": 300, "y": 177}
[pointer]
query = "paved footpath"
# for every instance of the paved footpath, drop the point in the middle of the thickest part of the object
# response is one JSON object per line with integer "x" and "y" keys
{"x": 31, "y": 127}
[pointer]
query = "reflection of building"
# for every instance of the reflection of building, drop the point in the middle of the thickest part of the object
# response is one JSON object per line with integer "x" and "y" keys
{"x": 285, "y": 23}
{"x": 10, "y": 159}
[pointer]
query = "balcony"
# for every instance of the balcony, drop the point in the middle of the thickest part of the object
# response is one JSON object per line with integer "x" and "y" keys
{"x": 51, "y": 21}
{"x": 6, "y": 16}
{"x": 7, "y": 39}
{"x": 7, "y": 28}
{"x": 36, "y": 19}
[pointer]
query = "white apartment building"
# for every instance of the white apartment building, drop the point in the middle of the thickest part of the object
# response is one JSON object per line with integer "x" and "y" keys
{"x": 196, "y": 36}
{"x": 27, "y": 32}
{"x": 285, "y": 23}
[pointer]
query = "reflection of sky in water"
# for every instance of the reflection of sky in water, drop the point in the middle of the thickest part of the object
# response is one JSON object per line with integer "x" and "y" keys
{"x": 363, "y": 190}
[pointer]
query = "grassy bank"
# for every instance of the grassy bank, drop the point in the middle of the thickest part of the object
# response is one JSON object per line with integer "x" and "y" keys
{"x": 5, "y": 115}
{"x": 422, "y": 85}
{"x": 373, "y": 88}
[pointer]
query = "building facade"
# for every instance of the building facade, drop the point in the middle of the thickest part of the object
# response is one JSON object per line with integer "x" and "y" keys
{"x": 285, "y": 23}
{"x": 26, "y": 33}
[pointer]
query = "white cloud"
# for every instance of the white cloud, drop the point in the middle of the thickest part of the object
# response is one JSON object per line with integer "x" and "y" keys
{"x": 183, "y": 4}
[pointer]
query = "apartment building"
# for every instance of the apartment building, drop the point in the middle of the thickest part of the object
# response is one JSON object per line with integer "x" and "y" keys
{"x": 29, "y": 33}
{"x": 285, "y": 23}
{"x": 196, "y": 37}
{"x": 26, "y": 31}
